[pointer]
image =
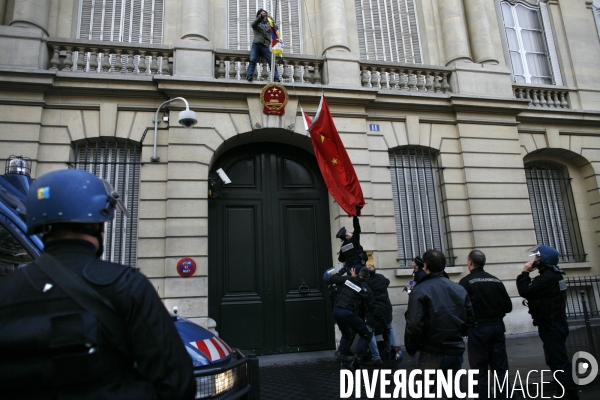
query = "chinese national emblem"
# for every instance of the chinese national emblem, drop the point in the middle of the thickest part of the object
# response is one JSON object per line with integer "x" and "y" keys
{"x": 274, "y": 98}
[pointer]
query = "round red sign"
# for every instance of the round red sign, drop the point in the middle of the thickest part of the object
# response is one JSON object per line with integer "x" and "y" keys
{"x": 186, "y": 267}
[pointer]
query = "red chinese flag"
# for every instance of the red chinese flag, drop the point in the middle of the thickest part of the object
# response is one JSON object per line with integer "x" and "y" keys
{"x": 336, "y": 167}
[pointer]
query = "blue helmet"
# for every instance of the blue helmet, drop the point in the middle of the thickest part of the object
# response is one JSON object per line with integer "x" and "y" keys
{"x": 548, "y": 255}
{"x": 70, "y": 196}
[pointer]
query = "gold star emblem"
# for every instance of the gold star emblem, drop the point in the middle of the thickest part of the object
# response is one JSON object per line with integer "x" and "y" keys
{"x": 334, "y": 161}
{"x": 322, "y": 138}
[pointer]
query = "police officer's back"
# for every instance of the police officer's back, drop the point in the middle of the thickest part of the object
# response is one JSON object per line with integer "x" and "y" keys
{"x": 51, "y": 345}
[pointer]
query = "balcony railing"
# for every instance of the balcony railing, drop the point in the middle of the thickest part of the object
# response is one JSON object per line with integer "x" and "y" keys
{"x": 543, "y": 96}
{"x": 109, "y": 57}
{"x": 233, "y": 64}
{"x": 406, "y": 77}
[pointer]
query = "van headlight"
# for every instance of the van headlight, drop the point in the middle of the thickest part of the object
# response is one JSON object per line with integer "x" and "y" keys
{"x": 214, "y": 385}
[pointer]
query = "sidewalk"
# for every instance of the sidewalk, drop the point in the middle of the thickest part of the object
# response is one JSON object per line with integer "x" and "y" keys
{"x": 316, "y": 376}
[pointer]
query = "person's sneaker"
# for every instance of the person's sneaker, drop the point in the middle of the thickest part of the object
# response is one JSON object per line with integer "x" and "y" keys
{"x": 376, "y": 361}
{"x": 249, "y": 79}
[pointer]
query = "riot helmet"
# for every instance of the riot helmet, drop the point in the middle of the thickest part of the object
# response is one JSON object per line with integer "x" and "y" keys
{"x": 70, "y": 196}
{"x": 547, "y": 255}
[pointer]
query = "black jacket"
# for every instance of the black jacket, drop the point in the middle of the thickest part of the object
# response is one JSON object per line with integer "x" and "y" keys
{"x": 48, "y": 356}
{"x": 379, "y": 285}
{"x": 418, "y": 275}
{"x": 488, "y": 295}
{"x": 438, "y": 315}
{"x": 546, "y": 295}
{"x": 354, "y": 256}
{"x": 355, "y": 295}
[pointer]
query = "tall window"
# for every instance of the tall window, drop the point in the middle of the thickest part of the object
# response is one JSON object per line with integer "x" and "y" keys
{"x": 528, "y": 42}
{"x": 553, "y": 209}
{"x": 388, "y": 30}
{"x": 241, "y": 13}
{"x": 119, "y": 164}
{"x": 416, "y": 203}
{"x": 131, "y": 21}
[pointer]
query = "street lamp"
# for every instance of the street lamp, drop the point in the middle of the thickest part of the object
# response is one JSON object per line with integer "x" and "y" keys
{"x": 187, "y": 118}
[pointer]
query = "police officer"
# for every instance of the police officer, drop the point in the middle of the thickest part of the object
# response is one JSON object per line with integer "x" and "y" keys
{"x": 353, "y": 301}
{"x": 351, "y": 252}
{"x": 53, "y": 346}
{"x": 490, "y": 301}
{"x": 546, "y": 297}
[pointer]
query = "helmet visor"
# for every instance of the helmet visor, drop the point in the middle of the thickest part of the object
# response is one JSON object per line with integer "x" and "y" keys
{"x": 113, "y": 200}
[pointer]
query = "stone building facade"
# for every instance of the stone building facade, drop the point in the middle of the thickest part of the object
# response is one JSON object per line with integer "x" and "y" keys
{"x": 470, "y": 123}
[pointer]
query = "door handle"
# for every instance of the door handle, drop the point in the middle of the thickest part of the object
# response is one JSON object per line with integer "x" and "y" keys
{"x": 303, "y": 288}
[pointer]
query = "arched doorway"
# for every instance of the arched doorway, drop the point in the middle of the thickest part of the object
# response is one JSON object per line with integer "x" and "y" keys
{"x": 269, "y": 245}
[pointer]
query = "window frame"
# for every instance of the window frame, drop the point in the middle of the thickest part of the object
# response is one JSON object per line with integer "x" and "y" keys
{"x": 97, "y": 156}
{"x": 435, "y": 229}
{"x": 554, "y": 226}
{"x": 290, "y": 33}
{"x": 551, "y": 55}
{"x": 391, "y": 29}
{"x": 128, "y": 8}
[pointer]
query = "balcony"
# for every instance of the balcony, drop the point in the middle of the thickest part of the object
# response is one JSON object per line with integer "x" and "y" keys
{"x": 543, "y": 96}
{"x": 85, "y": 56}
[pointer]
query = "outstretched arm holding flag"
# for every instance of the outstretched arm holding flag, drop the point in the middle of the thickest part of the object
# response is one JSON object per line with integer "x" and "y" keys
{"x": 334, "y": 163}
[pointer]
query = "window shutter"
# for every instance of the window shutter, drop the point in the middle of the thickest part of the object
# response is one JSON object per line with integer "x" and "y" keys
{"x": 552, "y": 54}
{"x": 133, "y": 21}
{"x": 241, "y": 13}
{"x": 416, "y": 203}
{"x": 503, "y": 39}
{"x": 119, "y": 164}
{"x": 85, "y": 19}
{"x": 388, "y": 30}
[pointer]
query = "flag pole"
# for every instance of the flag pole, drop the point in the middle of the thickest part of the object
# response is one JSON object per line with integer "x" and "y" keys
{"x": 272, "y": 55}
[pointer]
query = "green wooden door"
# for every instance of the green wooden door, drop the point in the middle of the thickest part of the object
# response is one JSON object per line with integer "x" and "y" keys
{"x": 269, "y": 245}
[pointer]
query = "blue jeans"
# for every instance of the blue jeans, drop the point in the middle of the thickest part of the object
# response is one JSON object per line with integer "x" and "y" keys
{"x": 257, "y": 51}
{"x": 487, "y": 347}
{"x": 554, "y": 336}
{"x": 350, "y": 323}
{"x": 373, "y": 343}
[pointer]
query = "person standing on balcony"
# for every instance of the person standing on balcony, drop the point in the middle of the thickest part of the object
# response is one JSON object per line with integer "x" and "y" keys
{"x": 264, "y": 28}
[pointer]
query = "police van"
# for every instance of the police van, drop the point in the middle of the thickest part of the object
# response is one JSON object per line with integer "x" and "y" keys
{"x": 221, "y": 372}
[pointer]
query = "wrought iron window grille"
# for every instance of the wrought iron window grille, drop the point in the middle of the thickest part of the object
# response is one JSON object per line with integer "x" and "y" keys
{"x": 119, "y": 163}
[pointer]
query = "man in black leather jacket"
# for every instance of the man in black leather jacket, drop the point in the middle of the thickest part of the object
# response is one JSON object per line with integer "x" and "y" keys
{"x": 353, "y": 301}
{"x": 487, "y": 345}
{"x": 438, "y": 315}
{"x": 546, "y": 297}
{"x": 52, "y": 346}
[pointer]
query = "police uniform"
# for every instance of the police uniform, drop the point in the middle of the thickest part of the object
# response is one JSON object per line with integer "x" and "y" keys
{"x": 487, "y": 345}
{"x": 351, "y": 252}
{"x": 353, "y": 301}
{"x": 53, "y": 348}
{"x": 546, "y": 297}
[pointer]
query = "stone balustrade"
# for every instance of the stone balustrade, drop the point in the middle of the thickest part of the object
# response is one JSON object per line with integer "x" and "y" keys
{"x": 233, "y": 64}
{"x": 109, "y": 57}
{"x": 543, "y": 95}
{"x": 408, "y": 77}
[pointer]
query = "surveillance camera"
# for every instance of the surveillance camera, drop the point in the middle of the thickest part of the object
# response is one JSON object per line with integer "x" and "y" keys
{"x": 188, "y": 118}
{"x": 223, "y": 176}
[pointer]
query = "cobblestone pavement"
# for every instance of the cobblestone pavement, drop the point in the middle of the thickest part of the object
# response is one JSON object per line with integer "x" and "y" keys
{"x": 316, "y": 376}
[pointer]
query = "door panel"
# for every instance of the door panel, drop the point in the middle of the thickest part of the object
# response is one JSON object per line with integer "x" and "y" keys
{"x": 268, "y": 247}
